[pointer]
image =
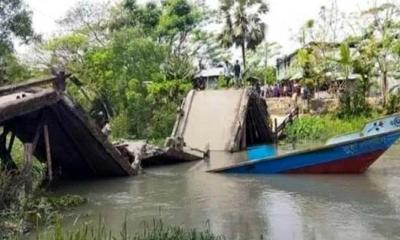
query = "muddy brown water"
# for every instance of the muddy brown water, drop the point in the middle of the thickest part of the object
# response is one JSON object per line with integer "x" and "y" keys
{"x": 245, "y": 206}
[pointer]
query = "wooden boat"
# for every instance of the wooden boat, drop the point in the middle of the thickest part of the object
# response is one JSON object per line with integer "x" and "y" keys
{"x": 351, "y": 153}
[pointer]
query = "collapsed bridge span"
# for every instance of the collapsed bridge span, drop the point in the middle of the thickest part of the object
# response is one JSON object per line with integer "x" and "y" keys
{"x": 58, "y": 131}
{"x": 223, "y": 120}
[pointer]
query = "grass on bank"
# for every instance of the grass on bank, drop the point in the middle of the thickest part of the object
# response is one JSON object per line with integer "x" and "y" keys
{"x": 21, "y": 212}
{"x": 323, "y": 127}
{"x": 156, "y": 230}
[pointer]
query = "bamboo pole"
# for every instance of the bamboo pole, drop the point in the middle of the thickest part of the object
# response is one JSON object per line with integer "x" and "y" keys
{"x": 48, "y": 152}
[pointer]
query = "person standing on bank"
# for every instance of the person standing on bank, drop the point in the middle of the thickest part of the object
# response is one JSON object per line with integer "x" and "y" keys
{"x": 236, "y": 70}
{"x": 227, "y": 73}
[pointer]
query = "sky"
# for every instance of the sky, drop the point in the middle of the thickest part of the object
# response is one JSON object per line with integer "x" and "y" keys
{"x": 284, "y": 19}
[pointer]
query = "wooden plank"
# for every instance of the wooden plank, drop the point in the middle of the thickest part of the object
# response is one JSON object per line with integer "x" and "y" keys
{"x": 28, "y": 167}
{"x": 48, "y": 152}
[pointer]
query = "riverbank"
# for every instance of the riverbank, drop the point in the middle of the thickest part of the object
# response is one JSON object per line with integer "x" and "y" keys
{"x": 25, "y": 200}
{"x": 324, "y": 126}
{"x": 154, "y": 230}
{"x": 281, "y": 105}
{"x": 26, "y": 213}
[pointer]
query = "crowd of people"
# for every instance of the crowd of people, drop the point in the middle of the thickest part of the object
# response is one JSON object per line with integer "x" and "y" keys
{"x": 233, "y": 77}
{"x": 293, "y": 90}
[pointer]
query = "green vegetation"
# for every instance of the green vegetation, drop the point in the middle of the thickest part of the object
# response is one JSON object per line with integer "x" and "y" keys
{"x": 370, "y": 53}
{"x": 135, "y": 63}
{"x": 15, "y": 23}
{"x": 393, "y": 104}
{"x": 242, "y": 27}
{"x": 20, "y": 212}
{"x": 157, "y": 230}
{"x": 322, "y": 127}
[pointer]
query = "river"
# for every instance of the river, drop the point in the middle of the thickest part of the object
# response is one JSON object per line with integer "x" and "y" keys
{"x": 245, "y": 207}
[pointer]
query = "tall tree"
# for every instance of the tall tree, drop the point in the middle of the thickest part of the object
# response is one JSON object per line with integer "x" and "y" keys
{"x": 15, "y": 22}
{"x": 131, "y": 14}
{"x": 345, "y": 61}
{"x": 382, "y": 32}
{"x": 177, "y": 26}
{"x": 179, "y": 18}
{"x": 243, "y": 25}
{"x": 364, "y": 64}
{"x": 265, "y": 52}
{"x": 89, "y": 19}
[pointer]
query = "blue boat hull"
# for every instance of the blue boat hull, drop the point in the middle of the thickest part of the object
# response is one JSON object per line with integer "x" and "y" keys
{"x": 348, "y": 157}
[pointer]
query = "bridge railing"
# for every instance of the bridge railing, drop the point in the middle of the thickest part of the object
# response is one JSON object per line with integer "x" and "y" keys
{"x": 57, "y": 82}
{"x": 278, "y": 129}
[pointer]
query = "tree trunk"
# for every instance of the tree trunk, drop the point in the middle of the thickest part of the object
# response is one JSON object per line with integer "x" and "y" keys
{"x": 384, "y": 87}
{"x": 244, "y": 56}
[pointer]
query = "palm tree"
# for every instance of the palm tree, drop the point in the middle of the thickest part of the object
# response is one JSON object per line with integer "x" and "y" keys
{"x": 345, "y": 61}
{"x": 243, "y": 25}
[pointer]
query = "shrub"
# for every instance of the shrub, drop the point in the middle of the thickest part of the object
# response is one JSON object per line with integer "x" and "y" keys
{"x": 393, "y": 104}
{"x": 312, "y": 128}
{"x": 120, "y": 126}
{"x": 353, "y": 102}
{"x": 10, "y": 186}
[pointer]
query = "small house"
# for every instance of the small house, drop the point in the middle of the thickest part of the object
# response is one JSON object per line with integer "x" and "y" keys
{"x": 210, "y": 76}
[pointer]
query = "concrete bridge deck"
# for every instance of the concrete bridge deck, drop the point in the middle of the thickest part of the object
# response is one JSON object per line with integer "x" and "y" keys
{"x": 77, "y": 146}
{"x": 223, "y": 120}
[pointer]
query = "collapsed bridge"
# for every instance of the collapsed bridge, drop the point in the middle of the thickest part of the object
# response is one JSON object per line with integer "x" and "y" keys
{"x": 59, "y": 133}
{"x": 223, "y": 120}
